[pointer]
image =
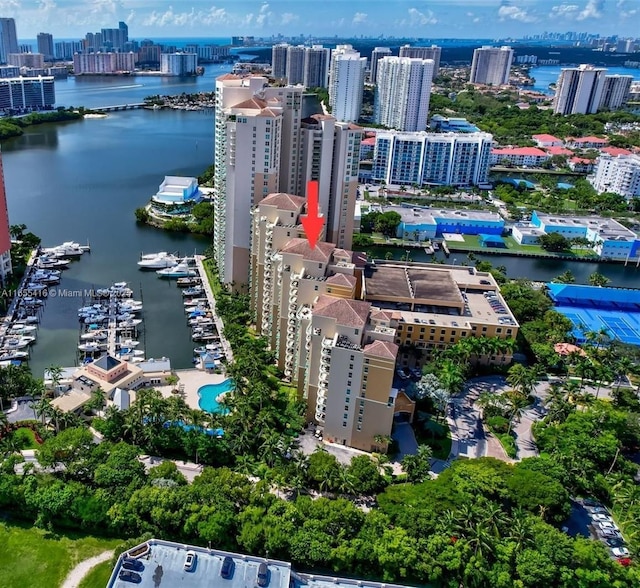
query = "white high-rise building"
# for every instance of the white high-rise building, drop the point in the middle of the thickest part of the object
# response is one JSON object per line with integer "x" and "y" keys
{"x": 8, "y": 38}
{"x": 346, "y": 83}
{"x": 434, "y": 52}
{"x": 619, "y": 174}
{"x": 376, "y": 55}
{"x": 179, "y": 64}
{"x": 491, "y": 65}
{"x": 458, "y": 159}
{"x": 295, "y": 64}
{"x": 316, "y": 66}
{"x": 579, "y": 90}
{"x": 615, "y": 91}
{"x": 402, "y": 93}
{"x": 279, "y": 60}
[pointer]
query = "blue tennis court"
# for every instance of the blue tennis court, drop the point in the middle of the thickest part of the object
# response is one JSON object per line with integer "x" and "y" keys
{"x": 621, "y": 329}
{"x": 624, "y": 326}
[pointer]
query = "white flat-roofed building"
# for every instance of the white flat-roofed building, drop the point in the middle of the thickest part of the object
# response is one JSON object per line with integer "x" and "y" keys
{"x": 94, "y": 63}
{"x": 579, "y": 90}
{"x": 27, "y": 94}
{"x": 178, "y": 64}
{"x": 615, "y": 91}
{"x": 402, "y": 93}
{"x": 619, "y": 174}
{"x": 346, "y": 83}
{"x": 295, "y": 64}
{"x": 458, "y": 159}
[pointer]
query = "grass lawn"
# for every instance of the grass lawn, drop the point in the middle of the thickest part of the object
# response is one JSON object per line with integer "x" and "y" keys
{"x": 472, "y": 243}
{"x": 508, "y": 444}
{"x": 32, "y": 557}
{"x": 435, "y": 435}
{"x": 25, "y": 438}
{"x": 98, "y": 576}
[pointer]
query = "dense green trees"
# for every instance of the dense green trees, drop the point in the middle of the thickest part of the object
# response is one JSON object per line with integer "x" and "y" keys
{"x": 554, "y": 242}
{"x": 380, "y": 222}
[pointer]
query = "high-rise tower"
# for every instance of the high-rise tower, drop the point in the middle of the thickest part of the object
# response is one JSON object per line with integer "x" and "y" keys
{"x": 491, "y": 65}
{"x": 432, "y": 52}
{"x": 376, "y": 55}
{"x": 8, "y": 38}
{"x": 579, "y": 90}
{"x": 346, "y": 83}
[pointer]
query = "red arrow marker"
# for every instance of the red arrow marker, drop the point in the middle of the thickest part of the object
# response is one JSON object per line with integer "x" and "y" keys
{"x": 312, "y": 221}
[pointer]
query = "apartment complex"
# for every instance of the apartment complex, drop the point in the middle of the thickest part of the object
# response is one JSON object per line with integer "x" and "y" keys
{"x": 346, "y": 83}
{"x": 579, "y": 90}
{"x": 29, "y": 60}
{"x": 5, "y": 236}
{"x": 459, "y": 159}
{"x": 8, "y": 39}
{"x": 301, "y": 65}
{"x": 45, "y": 45}
{"x": 615, "y": 91}
{"x": 103, "y": 63}
{"x": 619, "y": 174}
{"x": 19, "y": 95}
{"x": 402, "y": 93}
{"x": 434, "y": 52}
{"x": 491, "y": 65}
{"x": 339, "y": 325}
{"x": 263, "y": 146}
{"x": 376, "y": 55}
{"x": 179, "y": 64}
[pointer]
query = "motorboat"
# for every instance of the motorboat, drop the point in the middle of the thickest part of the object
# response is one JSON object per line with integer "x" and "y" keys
{"x": 195, "y": 302}
{"x": 181, "y": 270}
{"x": 186, "y": 282}
{"x": 52, "y": 263}
{"x": 98, "y": 318}
{"x": 23, "y": 328}
{"x": 158, "y": 261}
{"x": 128, "y": 343}
{"x": 9, "y": 354}
{"x": 67, "y": 249}
{"x": 129, "y": 323}
{"x": 98, "y": 335}
{"x": 127, "y": 351}
{"x": 19, "y": 342}
{"x": 193, "y": 291}
{"x": 92, "y": 346}
{"x": 130, "y": 307}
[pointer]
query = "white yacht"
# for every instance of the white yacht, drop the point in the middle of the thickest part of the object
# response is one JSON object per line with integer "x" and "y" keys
{"x": 181, "y": 270}
{"x": 92, "y": 346}
{"x": 158, "y": 261}
{"x": 96, "y": 335}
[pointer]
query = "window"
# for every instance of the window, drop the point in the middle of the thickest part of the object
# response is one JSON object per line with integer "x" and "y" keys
{"x": 346, "y": 407}
{"x": 344, "y": 423}
{"x": 346, "y": 415}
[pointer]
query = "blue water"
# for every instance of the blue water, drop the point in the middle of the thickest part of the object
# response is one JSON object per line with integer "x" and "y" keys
{"x": 548, "y": 74}
{"x": 206, "y": 430}
{"x": 210, "y": 392}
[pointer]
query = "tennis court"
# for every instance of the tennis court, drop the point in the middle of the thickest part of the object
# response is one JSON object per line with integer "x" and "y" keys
{"x": 624, "y": 326}
{"x": 621, "y": 329}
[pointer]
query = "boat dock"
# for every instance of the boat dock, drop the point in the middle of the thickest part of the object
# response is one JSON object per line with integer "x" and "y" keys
{"x": 226, "y": 348}
{"x": 445, "y": 248}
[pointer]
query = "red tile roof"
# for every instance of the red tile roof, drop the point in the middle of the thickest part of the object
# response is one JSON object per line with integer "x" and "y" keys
{"x": 368, "y": 141}
{"x": 382, "y": 349}
{"x": 581, "y": 160}
{"x": 321, "y": 252}
{"x": 284, "y": 201}
{"x": 557, "y": 150}
{"x": 524, "y": 151}
{"x": 546, "y": 138}
{"x": 342, "y": 280}
{"x": 253, "y": 103}
{"x": 349, "y": 313}
{"x": 591, "y": 139}
{"x": 615, "y": 151}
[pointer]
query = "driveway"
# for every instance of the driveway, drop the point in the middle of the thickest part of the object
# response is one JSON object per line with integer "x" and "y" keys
{"x": 403, "y": 435}
{"x": 22, "y": 412}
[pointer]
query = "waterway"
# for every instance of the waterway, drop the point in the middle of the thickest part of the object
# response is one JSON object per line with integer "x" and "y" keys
{"x": 82, "y": 181}
{"x": 548, "y": 74}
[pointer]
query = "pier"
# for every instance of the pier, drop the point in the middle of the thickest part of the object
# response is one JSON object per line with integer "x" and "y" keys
{"x": 226, "y": 348}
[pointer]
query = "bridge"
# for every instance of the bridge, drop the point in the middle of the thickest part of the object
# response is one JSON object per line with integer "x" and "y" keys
{"x": 120, "y": 107}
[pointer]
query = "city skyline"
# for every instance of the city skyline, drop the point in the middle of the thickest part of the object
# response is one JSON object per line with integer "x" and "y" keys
{"x": 399, "y": 18}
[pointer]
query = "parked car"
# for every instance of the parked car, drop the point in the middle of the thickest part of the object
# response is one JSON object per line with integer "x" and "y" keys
{"x": 130, "y": 563}
{"x": 228, "y": 566}
{"x": 620, "y": 552}
{"x": 608, "y": 533}
{"x": 190, "y": 561}
{"x": 597, "y": 509}
{"x": 615, "y": 542}
{"x": 591, "y": 502}
{"x": 606, "y": 525}
{"x": 263, "y": 575}
{"x": 601, "y": 517}
{"x": 130, "y": 576}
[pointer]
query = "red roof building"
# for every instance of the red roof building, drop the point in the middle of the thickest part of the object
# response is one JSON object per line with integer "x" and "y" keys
{"x": 519, "y": 156}
{"x": 586, "y": 142}
{"x": 545, "y": 140}
{"x": 559, "y": 151}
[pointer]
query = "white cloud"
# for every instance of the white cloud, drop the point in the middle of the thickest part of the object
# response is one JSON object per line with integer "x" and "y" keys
{"x": 359, "y": 18}
{"x": 593, "y": 9}
{"x": 515, "y": 13}
{"x": 288, "y": 17}
{"x": 182, "y": 19}
{"x": 564, "y": 10}
{"x": 421, "y": 18}
{"x": 263, "y": 15}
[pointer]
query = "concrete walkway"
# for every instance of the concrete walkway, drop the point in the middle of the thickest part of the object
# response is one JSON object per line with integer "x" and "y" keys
{"x": 77, "y": 574}
{"x": 226, "y": 348}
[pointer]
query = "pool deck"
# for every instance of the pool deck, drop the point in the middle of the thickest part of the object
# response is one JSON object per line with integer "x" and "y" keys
{"x": 193, "y": 380}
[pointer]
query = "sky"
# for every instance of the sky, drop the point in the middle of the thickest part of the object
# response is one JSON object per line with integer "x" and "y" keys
{"x": 371, "y": 18}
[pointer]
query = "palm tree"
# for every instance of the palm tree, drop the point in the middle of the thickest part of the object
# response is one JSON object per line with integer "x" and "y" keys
{"x": 42, "y": 408}
{"x": 345, "y": 482}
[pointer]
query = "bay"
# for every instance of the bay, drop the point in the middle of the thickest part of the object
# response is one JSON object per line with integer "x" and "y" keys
{"x": 548, "y": 74}
{"x": 82, "y": 181}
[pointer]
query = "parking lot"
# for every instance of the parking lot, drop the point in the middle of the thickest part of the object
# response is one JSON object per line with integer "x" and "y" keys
{"x": 590, "y": 518}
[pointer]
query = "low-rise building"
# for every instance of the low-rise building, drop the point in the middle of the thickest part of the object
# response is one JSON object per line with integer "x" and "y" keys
{"x": 608, "y": 238}
{"x": 581, "y": 165}
{"x": 176, "y": 196}
{"x": 586, "y": 142}
{"x": 420, "y": 223}
{"x": 521, "y": 156}
{"x": 545, "y": 140}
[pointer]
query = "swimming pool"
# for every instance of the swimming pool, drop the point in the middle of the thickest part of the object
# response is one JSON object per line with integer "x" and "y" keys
{"x": 208, "y": 394}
